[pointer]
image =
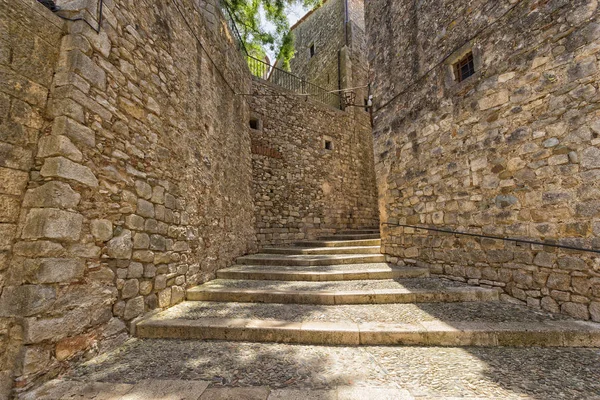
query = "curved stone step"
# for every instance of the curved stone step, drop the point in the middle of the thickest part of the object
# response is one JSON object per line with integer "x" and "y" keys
{"x": 324, "y": 250}
{"x": 207, "y": 321}
{"x": 324, "y": 273}
{"x": 373, "y": 296}
{"x": 338, "y": 243}
{"x": 308, "y": 260}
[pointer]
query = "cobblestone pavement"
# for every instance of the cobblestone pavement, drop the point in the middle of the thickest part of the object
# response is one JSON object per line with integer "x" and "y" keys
{"x": 417, "y": 372}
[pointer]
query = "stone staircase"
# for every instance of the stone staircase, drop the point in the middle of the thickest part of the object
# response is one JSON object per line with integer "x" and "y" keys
{"x": 338, "y": 290}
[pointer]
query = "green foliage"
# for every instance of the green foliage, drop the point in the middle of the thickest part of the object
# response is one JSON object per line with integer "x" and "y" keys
{"x": 246, "y": 15}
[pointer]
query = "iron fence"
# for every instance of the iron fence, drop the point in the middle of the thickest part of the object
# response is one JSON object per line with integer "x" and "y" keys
{"x": 291, "y": 82}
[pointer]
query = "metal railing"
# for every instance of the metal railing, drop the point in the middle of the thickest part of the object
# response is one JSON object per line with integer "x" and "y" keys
{"x": 278, "y": 76}
{"x": 291, "y": 82}
{"x": 506, "y": 239}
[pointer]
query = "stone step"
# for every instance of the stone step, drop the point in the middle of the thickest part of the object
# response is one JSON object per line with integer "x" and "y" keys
{"x": 363, "y": 236}
{"x": 353, "y": 292}
{"x": 324, "y": 250}
{"x": 324, "y": 273}
{"x": 358, "y": 231}
{"x": 427, "y": 324}
{"x": 338, "y": 243}
{"x": 309, "y": 260}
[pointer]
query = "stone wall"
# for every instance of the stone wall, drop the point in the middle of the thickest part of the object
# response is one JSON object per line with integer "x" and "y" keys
{"x": 301, "y": 189}
{"x": 323, "y": 28}
{"x": 28, "y": 53}
{"x": 135, "y": 186}
{"x": 512, "y": 151}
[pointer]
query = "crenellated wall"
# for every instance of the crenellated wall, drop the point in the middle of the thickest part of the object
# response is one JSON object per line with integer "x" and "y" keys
{"x": 512, "y": 151}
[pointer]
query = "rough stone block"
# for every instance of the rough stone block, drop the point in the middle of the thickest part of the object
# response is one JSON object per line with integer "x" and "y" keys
{"x": 63, "y": 168}
{"x": 131, "y": 288}
{"x": 164, "y": 298}
{"x": 134, "y": 222}
{"x": 145, "y": 288}
{"x": 141, "y": 241}
{"x": 120, "y": 247}
{"x": 65, "y": 107}
{"x": 590, "y": 158}
{"x": 55, "y": 270}
{"x": 15, "y": 157}
{"x": 35, "y": 359}
{"x": 177, "y": 295}
{"x": 22, "y": 88}
{"x": 134, "y": 307}
{"x": 135, "y": 270}
{"x": 576, "y": 310}
{"x": 145, "y": 208}
{"x": 52, "y": 195}
{"x": 52, "y": 224}
{"x": 53, "y": 329}
{"x": 75, "y": 131}
{"x": 68, "y": 347}
{"x": 84, "y": 66}
{"x": 143, "y": 189}
{"x": 13, "y": 181}
{"x": 9, "y": 208}
{"x": 595, "y": 311}
{"x": 39, "y": 248}
{"x": 58, "y": 145}
{"x": 102, "y": 229}
{"x": 26, "y": 300}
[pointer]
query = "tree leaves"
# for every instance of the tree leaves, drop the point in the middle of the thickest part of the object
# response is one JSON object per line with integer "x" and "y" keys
{"x": 246, "y": 15}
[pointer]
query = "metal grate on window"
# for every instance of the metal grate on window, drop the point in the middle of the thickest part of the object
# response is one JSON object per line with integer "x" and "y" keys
{"x": 465, "y": 67}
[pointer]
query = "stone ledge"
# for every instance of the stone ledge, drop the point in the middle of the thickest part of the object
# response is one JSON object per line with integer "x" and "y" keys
{"x": 345, "y": 275}
{"x": 383, "y": 296}
{"x": 435, "y": 333}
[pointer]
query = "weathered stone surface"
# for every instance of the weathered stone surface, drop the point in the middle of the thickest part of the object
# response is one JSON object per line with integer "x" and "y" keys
{"x": 164, "y": 298}
{"x": 595, "y": 311}
{"x": 133, "y": 308}
{"x": 35, "y": 359}
{"x": 78, "y": 133}
{"x": 58, "y": 145}
{"x": 86, "y": 68}
{"x": 55, "y": 270}
{"x": 576, "y": 310}
{"x": 52, "y": 195}
{"x": 135, "y": 270}
{"x": 495, "y": 153}
{"x": 130, "y": 289}
{"x": 68, "y": 347}
{"x": 145, "y": 208}
{"x": 102, "y": 229}
{"x": 141, "y": 241}
{"x": 9, "y": 208}
{"x": 37, "y": 330}
{"x": 26, "y": 300}
{"x": 120, "y": 247}
{"x": 52, "y": 224}
{"x": 61, "y": 167}
{"x": 13, "y": 181}
{"x": 39, "y": 248}
{"x": 143, "y": 189}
